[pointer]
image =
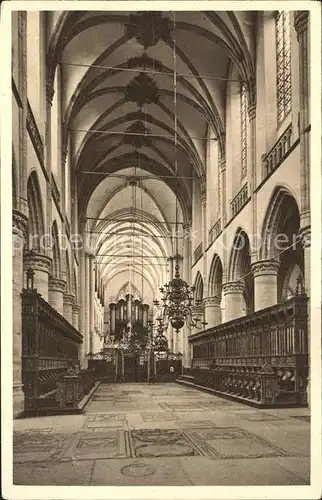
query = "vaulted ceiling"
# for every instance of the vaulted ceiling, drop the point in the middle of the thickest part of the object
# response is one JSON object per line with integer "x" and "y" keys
{"x": 140, "y": 92}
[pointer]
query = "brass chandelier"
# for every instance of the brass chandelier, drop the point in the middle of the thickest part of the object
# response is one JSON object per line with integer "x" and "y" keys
{"x": 177, "y": 302}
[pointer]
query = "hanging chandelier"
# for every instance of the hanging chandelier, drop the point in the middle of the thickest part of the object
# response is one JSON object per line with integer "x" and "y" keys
{"x": 178, "y": 301}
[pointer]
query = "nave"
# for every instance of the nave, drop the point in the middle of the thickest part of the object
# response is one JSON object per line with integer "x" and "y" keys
{"x": 163, "y": 434}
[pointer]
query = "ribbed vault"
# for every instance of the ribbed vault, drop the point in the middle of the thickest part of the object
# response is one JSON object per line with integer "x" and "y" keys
{"x": 138, "y": 101}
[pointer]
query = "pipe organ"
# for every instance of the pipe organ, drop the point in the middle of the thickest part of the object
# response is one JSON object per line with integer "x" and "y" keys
{"x": 127, "y": 310}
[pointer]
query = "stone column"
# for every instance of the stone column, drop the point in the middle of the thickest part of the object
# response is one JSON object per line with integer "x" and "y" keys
{"x": 301, "y": 20}
{"x": 186, "y": 273}
{"x": 56, "y": 290}
{"x": 234, "y": 299}
{"x": 197, "y": 312}
{"x": 87, "y": 315}
{"x": 222, "y": 190}
{"x": 212, "y": 311}
{"x": 75, "y": 316}
{"x": 252, "y": 175}
{"x": 41, "y": 265}
{"x": 112, "y": 318}
{"x": 306, "y": 243}
{"x": 68, "y": 302}
{"x": 48, "y": 155}
{"x": 265, "y": 283}
{"x": 82, "y": 294}
{"x": 19, "y": 233}
{"x": 204, "y": 238}
{"x": 91, "y": 300}
{"x": 301, "y": 23}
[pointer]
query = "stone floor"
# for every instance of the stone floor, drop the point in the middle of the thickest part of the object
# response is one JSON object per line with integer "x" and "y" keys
{"x": 163, "y": 434}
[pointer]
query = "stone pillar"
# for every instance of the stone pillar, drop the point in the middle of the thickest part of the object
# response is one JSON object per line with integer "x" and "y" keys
{"x": 41, "y": 265}
{"x": 301, "y": 20}
{"x": 212, "y": 311}
{"x": 222, "y": 190}
{"x": 301, "y": 23}
{"x": 265, "y": 283}
{"x": 204, "y": 238}
{"x": 75, "y": 316}
{"x": 112, "y": 318}
{"x": 91, "y": 301}
{"x": 197, "y": 312}
{"x": 48, "y": 155}
{"x": 19, "y": 233}
{"x": 68, "y": 302}
{"x": 234, "y": 299}
{"x": 186, "y": 273}
{"x": 306, "y": 243}
{"x": 87, "y": 315}
{"x": 56, "y": 290}
{"x": 82, "y": 289}
{"x": 252, "y": 176}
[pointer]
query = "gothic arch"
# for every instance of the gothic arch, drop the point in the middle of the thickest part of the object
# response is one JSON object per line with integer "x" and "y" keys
{"x": 281, "y": 207}
{"x": 280, "y": 240}
{"x": 198, "y": 287}
{"x": 215, "y": 277}
{"x": 240, "y": 267}
{"x": 56, "y": 265}
{"x": 36, "y": 227}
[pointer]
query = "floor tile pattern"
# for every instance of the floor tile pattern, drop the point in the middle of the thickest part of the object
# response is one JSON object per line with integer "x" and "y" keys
{"x": 163, "y": 434}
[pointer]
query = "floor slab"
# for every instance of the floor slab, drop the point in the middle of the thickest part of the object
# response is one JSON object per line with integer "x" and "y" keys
{"x": 163, "y": 434}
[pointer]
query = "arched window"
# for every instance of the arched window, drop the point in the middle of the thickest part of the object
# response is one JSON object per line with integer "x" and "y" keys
{"x": 243, "y": 132}
{"x": 283, "y": 65}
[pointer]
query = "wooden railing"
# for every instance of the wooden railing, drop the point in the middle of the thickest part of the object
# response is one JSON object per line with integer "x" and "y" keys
{"x": 240, "y": 356}
{"x": 215, "y": 231}
{"x": 197, "y": 254}
{"x": 239, "y": 201}
{"x": 50, "y": 347}
{"x": 278, "y": 152}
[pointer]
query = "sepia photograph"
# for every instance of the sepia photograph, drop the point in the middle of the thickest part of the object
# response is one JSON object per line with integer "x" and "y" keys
{"x": 165, "y": 303}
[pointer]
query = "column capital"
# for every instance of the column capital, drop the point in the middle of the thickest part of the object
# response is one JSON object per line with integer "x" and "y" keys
{"x": 301, "y": 20}
{"x": 37, "y": 261}
{"x": 186, "y": 226}
{"x": 197, "y": 310}
{"x": 233, "y": 287}
{"x": 305, "y": 236}
{"x": 76, "y": 308}
{"x": 265, "y": 267}
{"x": 252, "y": 111}
{"x": 68, "y": 299}
{"x": 56, "y": 285}
{"x": 49, "y": 94}
{"x": 19, "y": 223}
{"x": 212, "y": 301}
